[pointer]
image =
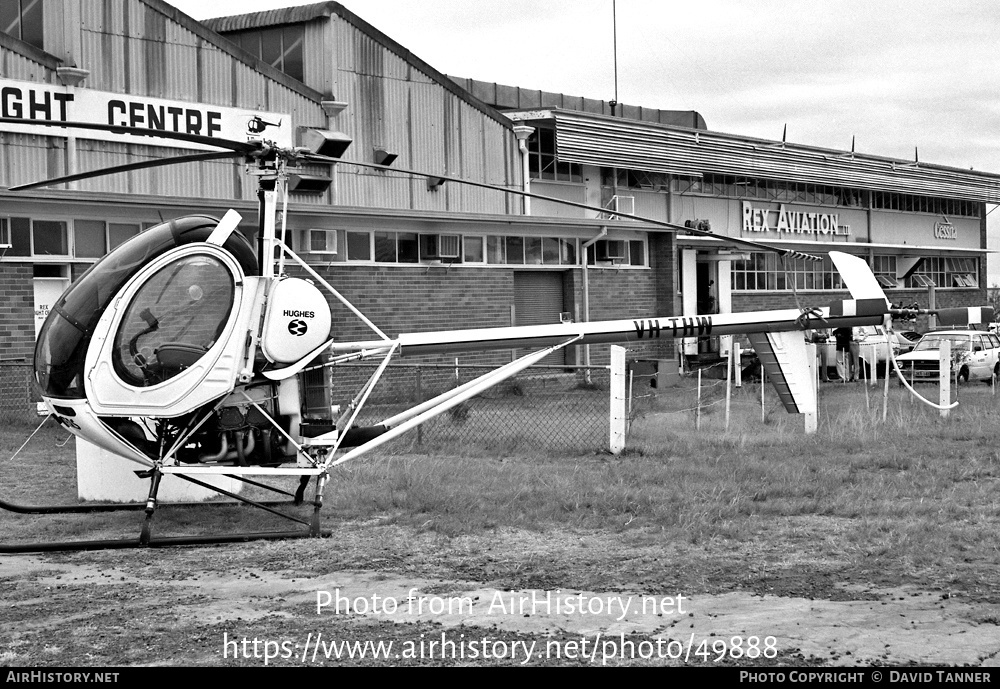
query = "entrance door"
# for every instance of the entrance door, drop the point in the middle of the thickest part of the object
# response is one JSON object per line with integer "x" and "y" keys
{"x": 708, "y": 303}
{"x": 538, "y": 300}
{"x": 47, "y": 292}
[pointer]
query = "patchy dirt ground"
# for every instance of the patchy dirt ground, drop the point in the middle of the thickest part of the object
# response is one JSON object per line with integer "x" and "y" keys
{"x": 507, "y": 598}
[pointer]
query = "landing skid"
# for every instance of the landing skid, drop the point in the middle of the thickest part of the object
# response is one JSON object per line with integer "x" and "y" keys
{"x": 146, "y": 538}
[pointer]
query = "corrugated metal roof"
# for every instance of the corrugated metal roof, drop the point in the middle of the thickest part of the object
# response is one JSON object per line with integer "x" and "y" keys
{"x": 616, "y": 142}
{"x": 203, "y": 31}
{"x": 321, "y": 10}
{"x": 259, "y": 20}
{"x": 505, "y": 97}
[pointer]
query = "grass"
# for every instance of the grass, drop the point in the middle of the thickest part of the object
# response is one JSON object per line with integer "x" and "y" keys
{"x": 914, "y": 495}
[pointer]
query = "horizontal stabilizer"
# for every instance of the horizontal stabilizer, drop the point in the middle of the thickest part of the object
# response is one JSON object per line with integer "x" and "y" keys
{"x": 785, "y": 358}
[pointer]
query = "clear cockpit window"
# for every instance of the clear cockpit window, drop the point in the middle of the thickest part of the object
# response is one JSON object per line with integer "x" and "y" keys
{"x": 173, "y": 320}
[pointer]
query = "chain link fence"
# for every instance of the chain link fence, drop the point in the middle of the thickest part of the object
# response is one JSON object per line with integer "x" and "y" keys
{"x": 540, "y": 410}
{"x": 18, "y": 397}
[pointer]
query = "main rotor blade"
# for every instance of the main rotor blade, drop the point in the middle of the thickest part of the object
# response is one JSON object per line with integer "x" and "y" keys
{"x": 158, "y": 162}
{"x": 518, "y": 192}
{"x": 242, "y": 146}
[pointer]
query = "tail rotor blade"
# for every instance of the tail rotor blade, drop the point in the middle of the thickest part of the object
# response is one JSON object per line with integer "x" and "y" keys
{"x": 973, "y": 315}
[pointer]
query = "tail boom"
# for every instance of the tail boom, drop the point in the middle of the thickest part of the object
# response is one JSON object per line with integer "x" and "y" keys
{"x": 845, "y": 313}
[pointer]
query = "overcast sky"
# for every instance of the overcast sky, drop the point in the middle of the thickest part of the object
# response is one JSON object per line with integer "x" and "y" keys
{"x": 897, "y": 75}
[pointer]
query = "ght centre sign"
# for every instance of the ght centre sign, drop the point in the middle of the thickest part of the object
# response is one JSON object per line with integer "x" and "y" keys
{"x": 791, "y": 222}
{"x": 53, "y": 103}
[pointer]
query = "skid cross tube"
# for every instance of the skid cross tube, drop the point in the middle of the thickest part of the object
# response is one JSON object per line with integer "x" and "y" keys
{"x": 146, "y": 538}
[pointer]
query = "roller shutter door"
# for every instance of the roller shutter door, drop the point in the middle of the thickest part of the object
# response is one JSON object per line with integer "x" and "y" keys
{"x": 538, "y": 300}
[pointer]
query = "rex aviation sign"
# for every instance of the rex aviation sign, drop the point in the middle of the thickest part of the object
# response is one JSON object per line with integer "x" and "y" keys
{"x": 55, "y": 103}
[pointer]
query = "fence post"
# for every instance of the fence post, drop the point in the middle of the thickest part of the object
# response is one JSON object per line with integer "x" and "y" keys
{"x": 617, "y": 401}
{"x": 697, "y": 412}
{"x": 944, "y": 376}
{"x": 763, "y": 382}
{"x": 738, "y": 363}
{"x": 420, "y": 399}
{"x": 729, "y": 386}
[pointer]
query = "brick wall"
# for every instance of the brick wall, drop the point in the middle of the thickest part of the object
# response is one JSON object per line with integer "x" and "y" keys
{"x": 399, "y": 299}
{"x": 17, "y": 311}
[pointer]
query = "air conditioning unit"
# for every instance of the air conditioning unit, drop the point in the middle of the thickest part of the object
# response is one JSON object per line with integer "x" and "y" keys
{"x": 444, "y": 247}
{"x": 319, "y": 242}
{"x": 610, "y": 250}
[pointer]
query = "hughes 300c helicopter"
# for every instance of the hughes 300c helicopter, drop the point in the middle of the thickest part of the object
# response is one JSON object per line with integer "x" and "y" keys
{"x": 184, "y": 348}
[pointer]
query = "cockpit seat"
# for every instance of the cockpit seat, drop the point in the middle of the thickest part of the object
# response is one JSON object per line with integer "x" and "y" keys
{"x": 178, "y": 355}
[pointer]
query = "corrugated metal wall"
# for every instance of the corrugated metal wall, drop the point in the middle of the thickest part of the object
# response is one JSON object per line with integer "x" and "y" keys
{"x": 131, "y": 47}
{"x": 593, "y": 140}
{"x": 15, "y": 66}
{"x": 392, "y": 104}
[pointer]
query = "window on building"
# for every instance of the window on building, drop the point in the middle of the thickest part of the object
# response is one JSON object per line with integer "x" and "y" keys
{"x": 884, "y": 268}
{"x": 119, "y": 232}
{"x": 359, "y": 246}
{"x": 769, "y": 272}
{"x": 542, "y": 161}
{"x": 319, "y": 241}
{"x": 730, "y": 186}
{"x": 22, "y": 19}
{"x": 385, "y": 247}
{"x": 473, "y": 250}
{"x": 413, "y": 248}
{"x": 95, "y": 238}
{"x": 639, "y": 179}
{"x": 884, "y": 200}
{"x": 90, "y": 238}
{"x": 30, "y": 237}
{"x": 495, "y": 250}
{"x": 515, "y": 250}
{"x": 280, "y": 47}
{"x": 963, "y": 272}
{"x": 624, "y": 252}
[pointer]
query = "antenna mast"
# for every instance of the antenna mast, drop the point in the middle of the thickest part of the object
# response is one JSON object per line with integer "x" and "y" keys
{"x": 614, "y": 41}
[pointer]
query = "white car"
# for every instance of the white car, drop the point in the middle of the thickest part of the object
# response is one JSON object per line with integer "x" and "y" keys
{"x": 975, "y": 355}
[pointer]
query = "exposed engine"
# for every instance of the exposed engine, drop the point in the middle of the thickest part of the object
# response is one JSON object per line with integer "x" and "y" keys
{"x": 239, "y": 432}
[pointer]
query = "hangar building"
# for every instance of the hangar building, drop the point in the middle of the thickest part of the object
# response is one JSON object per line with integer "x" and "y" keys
{"x": 415, "y": 253}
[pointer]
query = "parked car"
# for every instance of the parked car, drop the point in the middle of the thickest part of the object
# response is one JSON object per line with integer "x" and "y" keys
{"x": 868, "y": 342}
{"x": 906, "y": 339}
{"x": 975, "y": 355}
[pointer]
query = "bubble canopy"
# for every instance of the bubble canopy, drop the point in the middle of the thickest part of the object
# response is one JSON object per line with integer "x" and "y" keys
{"x": 62, "y": 345}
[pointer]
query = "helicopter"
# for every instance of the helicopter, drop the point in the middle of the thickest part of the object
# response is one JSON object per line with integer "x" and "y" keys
{"x": 184, "y": 348}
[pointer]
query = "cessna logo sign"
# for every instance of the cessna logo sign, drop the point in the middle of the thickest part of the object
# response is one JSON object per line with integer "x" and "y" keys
{"x": 945, "y": 230}
{"x": 51, "y": 103}
{"x": 785, "y": 221}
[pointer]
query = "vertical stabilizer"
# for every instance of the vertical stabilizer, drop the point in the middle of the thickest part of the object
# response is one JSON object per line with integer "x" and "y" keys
{"x": 857, "y": 276}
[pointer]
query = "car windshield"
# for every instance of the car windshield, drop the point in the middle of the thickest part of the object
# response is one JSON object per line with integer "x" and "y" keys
{"x": 933, "y": 342}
